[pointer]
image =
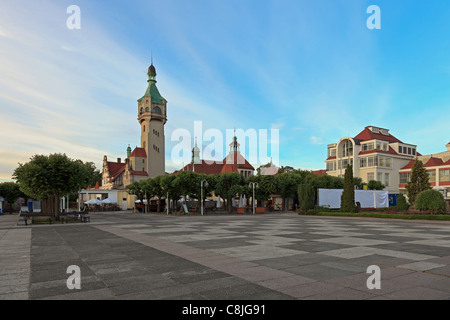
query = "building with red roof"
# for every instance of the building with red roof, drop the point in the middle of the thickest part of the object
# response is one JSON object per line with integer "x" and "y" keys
{"x": 374, "y": 154}
{"x": 438, "y": 168}
{"x": 233, "y": 162}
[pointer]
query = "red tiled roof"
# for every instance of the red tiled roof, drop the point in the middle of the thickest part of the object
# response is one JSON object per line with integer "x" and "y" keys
{"x": 212, "y": 167}
{"x": 366, "y": 135}
{"x": 331, "y": 158}
{"x": 409, "y": 165}
{"x": 115, "y": 168}
{"x": 139, "y": 152}
{"x": 434, "y": 162}
{"x": 138, "y": 173}
{"x": 319, "y": 172}
{"x": 447, "y": 162}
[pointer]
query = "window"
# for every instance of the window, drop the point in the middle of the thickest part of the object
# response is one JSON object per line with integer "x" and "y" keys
{"x": 331, "y": 166}
{"x": 400, "y": 149}
{"x": 409, "y": 151}
{"x": 404, "y": 177}
{"x": 385, "y": 147}
{"x": 157, "y": 110}
{"x": 378, "y": 145}
{"x": 380, "y": 176}
{"x": 144, "y": 127}
{"x": 385, "y": 162}
{"x": 432, "y": 175}
{"x": 331, "y": 152}
{"x": 147, "y": 109}
{"x": 370, "y": 176}
{"x": 346, "y": 148}
{"x": 367, "y": 146}
{"x": 444, "y": 175}
{"x": 386, "y": 179}
{"x": 413, "y": 151}
{"x": 363, "y": 162}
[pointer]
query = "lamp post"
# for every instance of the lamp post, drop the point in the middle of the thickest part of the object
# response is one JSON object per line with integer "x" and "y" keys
{"x": 250, "y": 185}
{"x": 203, "y": 182}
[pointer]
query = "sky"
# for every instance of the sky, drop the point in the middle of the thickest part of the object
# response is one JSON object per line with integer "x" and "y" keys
{"x": 311, "y": 69}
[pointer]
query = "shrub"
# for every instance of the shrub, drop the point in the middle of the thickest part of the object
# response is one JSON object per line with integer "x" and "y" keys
{"x": 401, "y": 203}
{"x": 431, "y": 200}
{"x": 348, "y": 194}
{"x": 306, "y": 197}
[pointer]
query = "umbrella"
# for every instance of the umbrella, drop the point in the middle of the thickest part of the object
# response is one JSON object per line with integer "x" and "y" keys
{"x": 107, "y": 201}
{"x": 93, "y": 201}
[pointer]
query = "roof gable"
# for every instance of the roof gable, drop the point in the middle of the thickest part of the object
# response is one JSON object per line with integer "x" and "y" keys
{"x": 367, "y": 134}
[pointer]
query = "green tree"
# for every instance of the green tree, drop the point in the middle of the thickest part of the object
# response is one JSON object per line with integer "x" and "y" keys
{"x": 306, "y": 197}
{"x": 287, "y": 185}
{"x": 348, "y": 194}
{"x": 228, "y": 185}
{"x": 401, "y": 202}
{"x": 188, "y": 183}
{"x": 430, "y": 200}
{"x": 47, "y": 178}
{"x": 154, "y": 189}
{"x": 375, "y": 185}
{"x": 136, "y": 188}
{"x": 10, "y": 191}
{"x": 419, "y": 181}
{"x": 169, "y": 188}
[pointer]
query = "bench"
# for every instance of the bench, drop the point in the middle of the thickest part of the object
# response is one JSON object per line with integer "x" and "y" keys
{"x": 75, "y": 215}
{"x": 25, "y": 216}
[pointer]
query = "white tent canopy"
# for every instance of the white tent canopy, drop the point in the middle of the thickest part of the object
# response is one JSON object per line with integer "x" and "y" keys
{"x": 107, "y": 201}
{"x": 93, "y": 201}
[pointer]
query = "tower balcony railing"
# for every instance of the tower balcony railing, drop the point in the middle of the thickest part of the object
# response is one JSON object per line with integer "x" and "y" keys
{"x": 153, "y": 116}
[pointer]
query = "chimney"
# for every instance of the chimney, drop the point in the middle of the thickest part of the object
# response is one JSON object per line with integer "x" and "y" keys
{"x": 448, "y": 146}
{"x": 119, "y": 160}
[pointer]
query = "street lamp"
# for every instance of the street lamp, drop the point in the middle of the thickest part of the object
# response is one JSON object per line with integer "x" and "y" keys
{"x": 203, "y": 182}
{"x": 250, "y": 185}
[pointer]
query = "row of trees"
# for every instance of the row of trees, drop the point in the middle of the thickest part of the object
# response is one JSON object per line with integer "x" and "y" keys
{"x": 228, "y": 185}
{"x": 48, "y": 178}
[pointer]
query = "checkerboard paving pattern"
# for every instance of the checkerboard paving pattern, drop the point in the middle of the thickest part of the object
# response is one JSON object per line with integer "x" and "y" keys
{"x": 284, "y": 253}
{"x": 274, "y": 256}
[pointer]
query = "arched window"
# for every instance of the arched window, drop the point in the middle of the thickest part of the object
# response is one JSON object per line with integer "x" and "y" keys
{"x": 147, "y": 109}
{"x": 144, "y": 127}
{"x": 157, "y": 110}
{"x": 142, "y": 110}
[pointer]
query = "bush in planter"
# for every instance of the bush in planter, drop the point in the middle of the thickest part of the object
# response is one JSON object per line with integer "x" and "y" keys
{"x": 430, "y": 200}
{"x": 402, "y": 205}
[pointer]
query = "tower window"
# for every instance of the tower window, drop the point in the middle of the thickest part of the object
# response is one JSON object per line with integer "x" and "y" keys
{"x": 157, "y": 110}
{"x": 144, "y": 128}
{"x": 147, "y": 109}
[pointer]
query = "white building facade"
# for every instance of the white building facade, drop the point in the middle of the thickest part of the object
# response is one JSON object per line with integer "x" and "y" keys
{"x": 374, "y": 154}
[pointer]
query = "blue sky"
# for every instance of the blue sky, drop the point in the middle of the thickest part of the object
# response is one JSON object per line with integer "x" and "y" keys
{"x": 311, "y": 69}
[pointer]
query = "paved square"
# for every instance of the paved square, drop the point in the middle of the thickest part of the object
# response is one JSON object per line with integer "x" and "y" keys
{"x": 122, "y": 255}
